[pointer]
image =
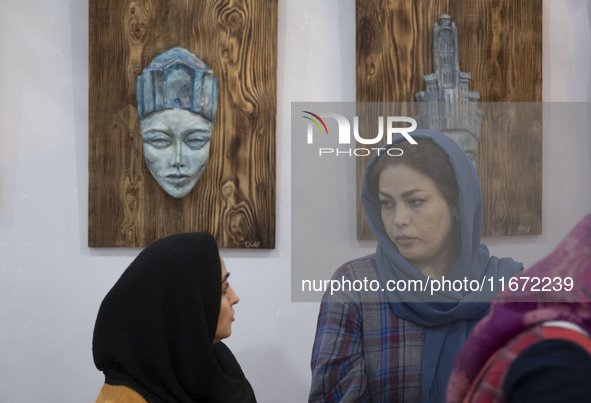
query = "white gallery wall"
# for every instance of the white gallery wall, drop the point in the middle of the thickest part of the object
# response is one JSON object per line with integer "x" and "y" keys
{"x": 51, "y": 283}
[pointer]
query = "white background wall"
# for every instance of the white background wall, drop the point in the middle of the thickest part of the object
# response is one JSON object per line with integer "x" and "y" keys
{"x": 51, "y": 283}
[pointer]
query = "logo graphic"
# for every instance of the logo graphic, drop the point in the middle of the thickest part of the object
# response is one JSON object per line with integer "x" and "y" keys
{"x": 316, "y": 123}
{"x": 386, "y": 125}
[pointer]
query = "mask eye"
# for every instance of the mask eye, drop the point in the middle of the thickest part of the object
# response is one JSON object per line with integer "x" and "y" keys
{"x": 158, "y": 140}
{"x": 197, "y": 140}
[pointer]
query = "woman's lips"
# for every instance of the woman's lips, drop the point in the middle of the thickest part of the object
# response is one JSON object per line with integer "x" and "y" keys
{"x": 404, "y": 240}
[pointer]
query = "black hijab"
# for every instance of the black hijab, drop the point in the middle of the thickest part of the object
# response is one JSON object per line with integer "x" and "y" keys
{"x": 155, "y": 328}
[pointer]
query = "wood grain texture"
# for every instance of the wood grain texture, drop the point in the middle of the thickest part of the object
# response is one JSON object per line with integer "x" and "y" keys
{"x": 235, "y": 197}
{"x": 500, "y": 44}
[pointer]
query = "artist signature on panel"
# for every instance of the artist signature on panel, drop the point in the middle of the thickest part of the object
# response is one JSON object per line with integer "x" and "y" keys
{"x": 252, "y": 244}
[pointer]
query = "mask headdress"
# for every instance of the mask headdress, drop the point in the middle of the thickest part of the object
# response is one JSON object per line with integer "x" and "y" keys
{"x": 448, "y": 105}
{"x": 177, "y": 78}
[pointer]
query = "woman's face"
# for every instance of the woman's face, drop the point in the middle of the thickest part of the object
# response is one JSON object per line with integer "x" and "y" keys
{"x": 229, "y": 298}
{"x": 417, "y": 219}
{"x": 176, "y": 148}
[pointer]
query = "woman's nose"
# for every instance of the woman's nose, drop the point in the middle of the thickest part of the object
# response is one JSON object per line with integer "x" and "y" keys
{"x": 234, "y": 298}
{"x": 401, "y": 215}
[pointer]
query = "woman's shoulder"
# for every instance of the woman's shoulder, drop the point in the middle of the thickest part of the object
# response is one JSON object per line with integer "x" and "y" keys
{"x": 119, "y": 394}
{"x": 357, "y": 269}
{"x": 503, "y": 266}
{"x": 354, "y": 281}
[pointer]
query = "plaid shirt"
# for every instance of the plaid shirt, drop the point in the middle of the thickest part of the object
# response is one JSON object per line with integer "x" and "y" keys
{"x": 488, "y": 385}
{"x": 362, "y": 352}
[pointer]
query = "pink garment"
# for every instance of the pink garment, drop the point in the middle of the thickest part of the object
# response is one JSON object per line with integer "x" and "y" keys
{"x": 513, "y": 312}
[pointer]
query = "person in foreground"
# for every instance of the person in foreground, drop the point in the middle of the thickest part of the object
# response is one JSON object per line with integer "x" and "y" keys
{"x": 425, "y": 210}
{"x": 534, "y": 345}
{"x": 158, "y": 332}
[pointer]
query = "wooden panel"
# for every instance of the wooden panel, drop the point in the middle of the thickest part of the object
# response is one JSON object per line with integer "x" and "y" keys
{"x": 500, "y": 44}
{"x": 235, "y": 197}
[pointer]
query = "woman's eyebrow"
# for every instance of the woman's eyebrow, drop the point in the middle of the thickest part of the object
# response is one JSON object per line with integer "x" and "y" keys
{"x": 226, "y": 278}
{"x": 404, "y": 195}
{"x": 410, "y": 192}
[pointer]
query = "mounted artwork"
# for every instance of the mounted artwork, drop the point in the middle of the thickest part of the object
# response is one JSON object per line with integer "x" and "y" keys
{"x": 177, "y": 96}
{"x": 448, "y": 105}
{"x": 182, "y": 110}
{"x": 411, "y": 50}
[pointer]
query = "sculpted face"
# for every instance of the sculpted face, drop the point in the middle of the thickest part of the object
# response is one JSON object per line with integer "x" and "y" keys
{"x": 176, "y": 148}
{"x": 467, "y": 143}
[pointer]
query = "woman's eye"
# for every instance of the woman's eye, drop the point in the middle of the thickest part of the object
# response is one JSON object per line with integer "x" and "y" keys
{"x": 387, "y": 204}
{"x": 416, "y": 202}
{"x": 196, "y": 142}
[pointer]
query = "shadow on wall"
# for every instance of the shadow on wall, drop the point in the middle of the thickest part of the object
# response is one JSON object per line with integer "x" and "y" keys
{"x": 79, "y": 44}
{"x": 7, "y": 187}
{"x": 589, "y": 81}
{"x": 9, "y": 150}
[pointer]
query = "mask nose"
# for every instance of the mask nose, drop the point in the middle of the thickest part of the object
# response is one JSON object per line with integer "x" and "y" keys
{"x": 177, "y": 157}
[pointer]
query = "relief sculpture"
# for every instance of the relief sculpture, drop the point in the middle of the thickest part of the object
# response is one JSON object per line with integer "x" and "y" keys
{"x": 177, "y": 98}
{"x": 448, "y": 105}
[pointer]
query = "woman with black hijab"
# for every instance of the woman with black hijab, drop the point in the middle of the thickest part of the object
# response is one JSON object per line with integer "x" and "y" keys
{"x": 157, "y": 333}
